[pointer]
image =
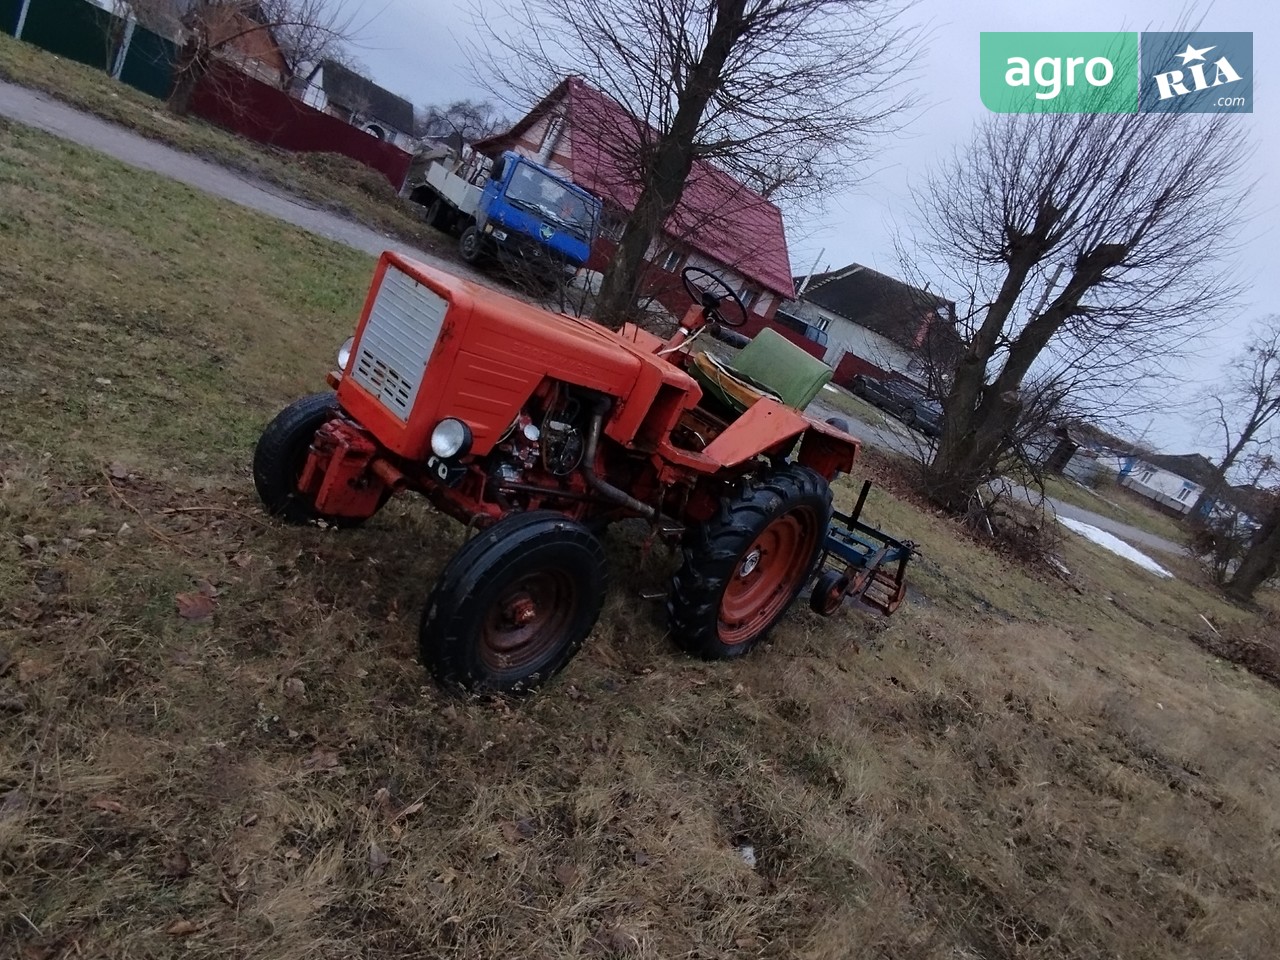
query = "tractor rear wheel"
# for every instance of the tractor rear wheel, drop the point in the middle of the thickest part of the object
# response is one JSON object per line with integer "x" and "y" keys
{"x": 514, "y": 604}
{"x": 745, "y": 566}
{"x": 281, "y": 454}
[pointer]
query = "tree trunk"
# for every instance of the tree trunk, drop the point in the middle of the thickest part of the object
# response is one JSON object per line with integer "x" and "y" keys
{"x": 1206, "y": 499}
{"x": 1261, "y": 560}
{"x": 667, "y": 170}
{"x": 192, "y": 65}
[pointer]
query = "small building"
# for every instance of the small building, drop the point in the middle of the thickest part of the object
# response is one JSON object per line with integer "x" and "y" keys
{"x": 1175, "y": 482}
{"x": 343, "y": 93}
{"x": 872, "y": 324}
{"x": 720, "y": 224}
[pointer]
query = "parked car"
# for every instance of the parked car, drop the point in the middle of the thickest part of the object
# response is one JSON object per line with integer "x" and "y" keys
{"x": 926, "y": 417}
{"x": 893, "y": 396}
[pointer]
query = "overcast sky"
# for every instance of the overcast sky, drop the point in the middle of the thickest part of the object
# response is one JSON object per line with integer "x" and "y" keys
{"x": 417, "y": 49}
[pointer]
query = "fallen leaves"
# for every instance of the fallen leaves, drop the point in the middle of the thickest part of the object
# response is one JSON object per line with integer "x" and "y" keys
{"x": 106, "y": 805}
{"x": 31, "y": 670}
{"x": 566, "y": 873}
{"x": 378, "y": 859}
{"x": 118, "y": 471}
{"x": 295, "y": 689}
{"x": 322, "y": 760}
{"x": 195, "y": 606}
{"x": 183, "y": 928}
{"x": 513, "y": 831}
{"x": 176, "y": 865}
{"x": 612, "y": 942}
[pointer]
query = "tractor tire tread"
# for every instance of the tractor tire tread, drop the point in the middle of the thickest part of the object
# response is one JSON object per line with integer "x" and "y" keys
{"x": 712, "y": 549}
{"x": 485, "y": 557}
{"x": 276, "y": 450}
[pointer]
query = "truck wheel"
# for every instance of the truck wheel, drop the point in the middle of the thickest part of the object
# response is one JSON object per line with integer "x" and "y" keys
{"x": 471, "y": 245}
{"x": 281, "y": 454}
{"x": 745, "y": 566}
{"x": 434, "y": 213}
{"x": 514, "y": 604}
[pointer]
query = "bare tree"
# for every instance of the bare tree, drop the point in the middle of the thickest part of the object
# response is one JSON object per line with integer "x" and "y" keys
{"x": 1246, "y": 404}
{"x": 1261, "y": 561}
{"x": 1086, "y": 248}
{"x": 303, "y": 30}
{"x": 469, "y": 120}
{"x": 780, "y": 93}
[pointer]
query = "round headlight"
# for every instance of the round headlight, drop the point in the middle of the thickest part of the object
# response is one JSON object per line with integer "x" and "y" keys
{"x": 344, "y": 353}
{"x": 450, "y": 438}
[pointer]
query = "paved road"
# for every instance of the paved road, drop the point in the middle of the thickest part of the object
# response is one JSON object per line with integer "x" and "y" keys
{"x": 46, "y": 113}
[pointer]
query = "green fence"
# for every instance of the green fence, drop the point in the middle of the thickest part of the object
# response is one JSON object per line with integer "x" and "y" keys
{"x": 9, "y": 10}
{"x": 79, "y": 30}
{"x": 74, "y": 29}
{"x": 148, "y": 63}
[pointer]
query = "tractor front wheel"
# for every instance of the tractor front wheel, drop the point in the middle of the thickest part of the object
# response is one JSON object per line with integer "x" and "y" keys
{"x": 745, "y": 566}
{"x": 281, "y": 454}
{"x": 514, "y": 604}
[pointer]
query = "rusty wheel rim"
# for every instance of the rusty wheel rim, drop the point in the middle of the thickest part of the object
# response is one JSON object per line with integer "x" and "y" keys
{"x": 834, "y": 596}
{"x": 527, "y": 620}
{"x": 767, "y": 576}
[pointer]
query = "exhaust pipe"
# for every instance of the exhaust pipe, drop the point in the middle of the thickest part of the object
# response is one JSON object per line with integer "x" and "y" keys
{"x": 602, "y": 487}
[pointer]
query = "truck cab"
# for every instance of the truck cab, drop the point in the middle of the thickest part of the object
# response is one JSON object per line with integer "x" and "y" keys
{"x": 521, "y": 213}
{"x": 527, "y": 209}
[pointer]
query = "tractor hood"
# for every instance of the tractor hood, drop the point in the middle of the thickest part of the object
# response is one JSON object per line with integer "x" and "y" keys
{"x": 431, "y": 345}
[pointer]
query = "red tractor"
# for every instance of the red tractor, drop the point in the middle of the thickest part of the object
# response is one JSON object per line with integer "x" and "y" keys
{"x": 537, "y": 430}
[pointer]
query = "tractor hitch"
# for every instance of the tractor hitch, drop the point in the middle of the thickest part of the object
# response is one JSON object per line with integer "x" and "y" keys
{"x": 861, "y": 562}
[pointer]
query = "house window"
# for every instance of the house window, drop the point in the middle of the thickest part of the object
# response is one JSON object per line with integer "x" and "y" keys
{"x": 1146, "y": 476}
{"x": 1184, "y": 493}
{"x": 671, "y": 261}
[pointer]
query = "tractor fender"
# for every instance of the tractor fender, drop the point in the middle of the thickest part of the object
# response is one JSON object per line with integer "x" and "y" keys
{"x": 827, "y": 449}
{"x": 769, "y": 427}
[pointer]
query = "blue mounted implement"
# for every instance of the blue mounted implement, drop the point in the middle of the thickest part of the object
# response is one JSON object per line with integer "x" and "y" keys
{"x": 860, "y": 561}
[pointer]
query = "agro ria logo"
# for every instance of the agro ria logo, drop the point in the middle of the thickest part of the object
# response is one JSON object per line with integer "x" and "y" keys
{"x": 1201, "y": 72}
{"x": 1195, "y": 73}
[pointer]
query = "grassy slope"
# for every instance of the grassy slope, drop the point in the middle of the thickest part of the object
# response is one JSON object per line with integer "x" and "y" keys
{"x": 1008, "y": 769}
{"x": 328, "y": 180}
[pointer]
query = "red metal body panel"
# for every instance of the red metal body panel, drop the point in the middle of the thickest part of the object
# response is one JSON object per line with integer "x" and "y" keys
{"x": 494, "y": 354}
{"x": 764, "y": 426}
{"x": 510, "y": 347}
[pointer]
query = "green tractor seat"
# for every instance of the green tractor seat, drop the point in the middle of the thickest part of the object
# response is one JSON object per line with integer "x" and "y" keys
{"x": 770, "y": 365}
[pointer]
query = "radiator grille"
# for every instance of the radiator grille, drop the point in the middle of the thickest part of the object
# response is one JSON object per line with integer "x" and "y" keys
{"x": 397, "y": 341}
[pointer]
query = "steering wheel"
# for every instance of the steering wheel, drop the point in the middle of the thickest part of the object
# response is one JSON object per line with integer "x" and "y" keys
{"x": 712, "y": 295}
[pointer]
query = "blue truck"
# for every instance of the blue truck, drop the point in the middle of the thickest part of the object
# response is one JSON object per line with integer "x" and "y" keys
{"x": 520, "y": 213}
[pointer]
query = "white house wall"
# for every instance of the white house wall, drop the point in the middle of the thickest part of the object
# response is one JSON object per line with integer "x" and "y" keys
{"x": 845, "y": 335}
{"x": 1163, "y": 487}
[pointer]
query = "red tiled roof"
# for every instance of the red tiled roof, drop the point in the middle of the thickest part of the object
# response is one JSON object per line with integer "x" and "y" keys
{"x": 717, "y": 216}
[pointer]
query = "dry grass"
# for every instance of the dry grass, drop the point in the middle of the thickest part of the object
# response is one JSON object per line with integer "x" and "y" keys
{"x": 1017, "y": 767}
{"x": 329, "y": 180}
